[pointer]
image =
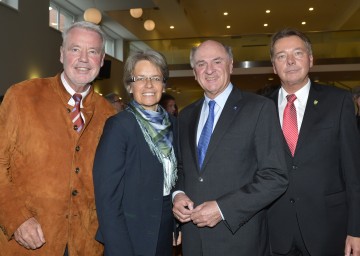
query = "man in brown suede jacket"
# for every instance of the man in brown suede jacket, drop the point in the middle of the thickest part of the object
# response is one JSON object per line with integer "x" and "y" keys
{"x": 46, "y": 190}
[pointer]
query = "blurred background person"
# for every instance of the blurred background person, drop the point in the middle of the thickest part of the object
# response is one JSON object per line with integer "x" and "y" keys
{"x": 356, "y": 95}
{"x": 169, "y": 104}
{"x": 116, "y": 101}
{"x": 135, "y": 166}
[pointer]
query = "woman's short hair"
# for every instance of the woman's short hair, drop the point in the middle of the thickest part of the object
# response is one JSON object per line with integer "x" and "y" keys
{"x": 153, "y": 57}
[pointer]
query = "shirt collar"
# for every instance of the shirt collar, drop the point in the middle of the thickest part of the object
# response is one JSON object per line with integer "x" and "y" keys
{"x": 222, "y": 97}
{"x": 70, "y": 90}
{"x": 301, "y": 95}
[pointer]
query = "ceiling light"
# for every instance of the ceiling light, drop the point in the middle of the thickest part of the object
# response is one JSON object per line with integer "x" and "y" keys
{"x": 226, "y": 13}
{"x": 228, "y": 26}
{"x": 92, "y": 15}
{"x": 303, "y": 23}
{"x": 311, "y": 9}
{"x": 267, "y": 11}
{"x": 136, "y": 12}
{"x": 149, "y": 25}
{"x": 172, "y": 27}
{"x": 265, "y": 25}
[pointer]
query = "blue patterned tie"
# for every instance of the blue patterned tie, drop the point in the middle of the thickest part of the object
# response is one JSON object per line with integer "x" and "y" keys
{"x": 206, "y": 134}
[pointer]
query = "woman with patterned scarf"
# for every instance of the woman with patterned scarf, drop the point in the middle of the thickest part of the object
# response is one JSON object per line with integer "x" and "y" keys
{"x": 135, "y": 167}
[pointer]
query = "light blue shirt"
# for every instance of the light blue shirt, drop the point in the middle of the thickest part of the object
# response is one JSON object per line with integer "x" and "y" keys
{"x": 220, "y": 101}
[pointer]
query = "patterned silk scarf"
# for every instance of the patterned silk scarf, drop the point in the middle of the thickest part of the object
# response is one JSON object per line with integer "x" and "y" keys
{"x": 156, "y": 127}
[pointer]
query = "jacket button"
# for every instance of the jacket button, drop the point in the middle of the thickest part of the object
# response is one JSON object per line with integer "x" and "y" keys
{"x": 201, "y": 179}
{"x": 294, "y": 167}
{"x": 75, "y": 127}
{"x": 68, "y": 110}
{"x": 77, "y": 148}
{"x": 74, "y": 192}
{"x": 292, "y": 200}
{"x": 77, "y": 170}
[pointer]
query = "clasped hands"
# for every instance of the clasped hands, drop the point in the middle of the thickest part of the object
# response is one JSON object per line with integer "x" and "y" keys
{"x": 206, "y": 214}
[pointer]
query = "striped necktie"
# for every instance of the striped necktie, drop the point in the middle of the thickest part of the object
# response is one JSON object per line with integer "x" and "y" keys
{"x": 290, "y": 128}
{"x": 75, "y": 113}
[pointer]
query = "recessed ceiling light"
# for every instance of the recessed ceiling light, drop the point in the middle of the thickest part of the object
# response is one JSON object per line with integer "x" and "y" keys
{"x": 228, "y": 26}
{"x": 303, "y": 23}
{"x": 265, "y": 25}
{"x": 267, "y": 11}
{"x": 172, "y": 27}
{"x": 311, "y": 9}
{"x": 226, "y": 13}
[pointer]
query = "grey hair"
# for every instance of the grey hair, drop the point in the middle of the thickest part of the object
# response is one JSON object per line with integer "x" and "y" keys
{"x": 287, "y": 32}
{"x": 195, "y": 48}
{"x": 153, "y": 57}
{"x": 87, "y": 26}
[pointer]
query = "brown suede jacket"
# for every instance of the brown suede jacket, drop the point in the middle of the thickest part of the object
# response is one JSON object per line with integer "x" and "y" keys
{"x": 46, "y": 167}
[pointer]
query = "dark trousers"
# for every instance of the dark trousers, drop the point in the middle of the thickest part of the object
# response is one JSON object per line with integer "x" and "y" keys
{"x": 66, "y": 251}
{"x": 164, "y": 244}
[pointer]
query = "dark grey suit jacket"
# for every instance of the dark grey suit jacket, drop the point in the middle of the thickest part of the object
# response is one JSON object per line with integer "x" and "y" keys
{"x": 128, "y": 182}
{"x": 244, "y": 171}
{"x": 324, "y": 177}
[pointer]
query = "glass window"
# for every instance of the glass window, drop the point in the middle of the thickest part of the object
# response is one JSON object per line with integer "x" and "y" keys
{"x": 110, "y": 46}
{"x": 59, "y": 18}
{"x": 12, "y": 3}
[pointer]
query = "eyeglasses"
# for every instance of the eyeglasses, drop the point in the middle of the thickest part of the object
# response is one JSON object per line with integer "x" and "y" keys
{"x": 154, "y": 80}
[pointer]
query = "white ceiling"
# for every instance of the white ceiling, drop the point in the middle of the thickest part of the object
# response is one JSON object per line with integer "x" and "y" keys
{"x": 204, "y": 18}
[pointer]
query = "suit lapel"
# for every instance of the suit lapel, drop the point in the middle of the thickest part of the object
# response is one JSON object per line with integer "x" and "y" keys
{"x": 310, "y": 115}
{"x": 275, "y": 97}
{"x": 194, "y": 121}
{"x": 231, "y": 108}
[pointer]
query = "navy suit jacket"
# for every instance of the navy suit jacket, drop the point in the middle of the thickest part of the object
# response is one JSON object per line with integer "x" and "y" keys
{"x": 244, "y": 170}
{"x": 324, "y": 177}
{"x": 128, "y": 181}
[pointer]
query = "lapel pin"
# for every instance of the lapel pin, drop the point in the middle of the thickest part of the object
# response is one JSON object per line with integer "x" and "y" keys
{"x": 315, "y": 102}
{"x": 235, "y": 107}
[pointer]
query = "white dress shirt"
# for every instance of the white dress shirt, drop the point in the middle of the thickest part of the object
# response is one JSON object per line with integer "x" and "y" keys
{"x": 71, "y": 91}
{"x": 300, "y": 103}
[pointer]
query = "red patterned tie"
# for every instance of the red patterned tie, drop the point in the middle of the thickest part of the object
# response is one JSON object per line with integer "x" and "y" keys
{"x": 290, "y": 128}
{"x": 75, "y": 113}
